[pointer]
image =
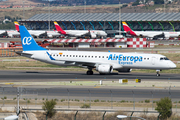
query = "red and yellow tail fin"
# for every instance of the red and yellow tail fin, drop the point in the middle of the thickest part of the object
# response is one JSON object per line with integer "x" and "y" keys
{"x": 58, "y": 28}
{"x": 16, "y": 25}
{"x": 128, "y": 29}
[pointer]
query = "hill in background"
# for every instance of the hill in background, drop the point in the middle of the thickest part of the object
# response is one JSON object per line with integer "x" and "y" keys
{"x": 64, "y": 2}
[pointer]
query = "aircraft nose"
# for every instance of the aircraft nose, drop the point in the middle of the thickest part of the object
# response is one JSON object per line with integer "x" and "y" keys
{"x": 172, "y": 65}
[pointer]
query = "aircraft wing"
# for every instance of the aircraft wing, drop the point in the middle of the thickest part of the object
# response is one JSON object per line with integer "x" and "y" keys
{"x": 81, "y": 34}
{"x": 149, "y": 34}
{"x": 121, "y": 32}
{"x": 82, "y": 63}
{"x": 37, "y": 34}
{"x": 73, "y": 62}
{"x": 2, "y": 32}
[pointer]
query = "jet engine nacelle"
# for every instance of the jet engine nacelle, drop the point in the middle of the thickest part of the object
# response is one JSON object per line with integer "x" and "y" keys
{"x": 50, "y": 36}
{"x": 125, "y": 70}
{"x": 10, "y": 36}
{"x": 104, "y": 69}
{"x": 93, "y": 35}
{"x": 166, "y": 36}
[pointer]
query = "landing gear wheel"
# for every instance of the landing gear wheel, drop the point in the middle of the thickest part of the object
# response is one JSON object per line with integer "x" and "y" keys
{"x": 102, "y": 73}
{"x": 89, "y": 72}
{"x": 158, "y": 74}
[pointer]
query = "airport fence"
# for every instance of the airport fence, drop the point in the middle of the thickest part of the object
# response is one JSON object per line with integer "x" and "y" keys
{"x": 93, "y": 98}
{"x": 9, "y": 52}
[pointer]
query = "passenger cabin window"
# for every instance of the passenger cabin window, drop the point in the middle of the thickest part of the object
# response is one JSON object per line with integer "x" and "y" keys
{"x": 99, "y": 56}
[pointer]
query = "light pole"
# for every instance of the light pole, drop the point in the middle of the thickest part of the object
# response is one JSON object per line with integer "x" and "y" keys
{"x": 89, "y": 97}
{"x": 23, "y": 10}
{"x": 152, "y": 99}
{"x": 68, "y": 97}
{"x": 49, "y": 14}
{"x": 17, "y": 112}
{"x": 164, "y": 6}
{"x": 119, "y": 17}
{"x": 124, "y": 116}
{"x": 84, "y": 6}
{"x": 111, "y": 100}
{"x": 133, "y": 101}
{"x": 47, "y": 93}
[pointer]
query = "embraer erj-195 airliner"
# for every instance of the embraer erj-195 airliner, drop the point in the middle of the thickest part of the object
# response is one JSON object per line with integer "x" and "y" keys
{"x": 103, "y": 62}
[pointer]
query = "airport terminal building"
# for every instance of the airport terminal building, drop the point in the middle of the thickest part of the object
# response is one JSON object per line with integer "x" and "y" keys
{"x": 105, "y": 21}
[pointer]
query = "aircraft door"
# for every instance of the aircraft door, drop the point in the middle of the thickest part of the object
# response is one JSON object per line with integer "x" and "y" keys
{"x": 153, "y": 60}
{"x": 46, "y": 57}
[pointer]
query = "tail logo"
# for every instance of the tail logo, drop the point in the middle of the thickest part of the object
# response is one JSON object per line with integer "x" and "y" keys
{"x": 27, "y": 40}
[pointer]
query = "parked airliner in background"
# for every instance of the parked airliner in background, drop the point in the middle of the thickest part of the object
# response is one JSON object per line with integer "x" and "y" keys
{"x": 80, "y": 33}
{"x": 37, "y": 33}
{"x": 151, "y": 34}
{"x": 103, "y": 62}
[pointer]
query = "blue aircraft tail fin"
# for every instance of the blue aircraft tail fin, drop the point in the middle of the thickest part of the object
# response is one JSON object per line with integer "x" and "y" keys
{"x": 28, "y": 42}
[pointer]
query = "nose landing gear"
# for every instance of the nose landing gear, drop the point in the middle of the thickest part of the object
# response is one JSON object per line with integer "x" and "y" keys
{"x": 157, "y": 73}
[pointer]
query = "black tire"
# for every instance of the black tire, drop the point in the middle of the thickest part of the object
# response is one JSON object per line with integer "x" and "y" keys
{"x": 89, "y": 72}
{"x": 157, "y": 75}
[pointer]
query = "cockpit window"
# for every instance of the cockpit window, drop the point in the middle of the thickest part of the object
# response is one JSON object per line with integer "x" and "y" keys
{"x": 164, "y": 58}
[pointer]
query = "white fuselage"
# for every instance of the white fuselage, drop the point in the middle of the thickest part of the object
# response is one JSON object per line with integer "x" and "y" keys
{"x": 36, "y": 33}
{"x": 171, "y": 34}
{"x": 156, "y": 33}
{"x": 148, "y": 33}
{"x": 79, "y": 33}
{"x": 12, "y": 33}
{"x": 93, "y": 59}
{"x": 51, "y": 34}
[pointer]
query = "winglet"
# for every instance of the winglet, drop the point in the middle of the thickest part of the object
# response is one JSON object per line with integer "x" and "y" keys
{"x": 28, "y": 42}
{"x": 59, "y": 29}
{"x": 16, "y": 25}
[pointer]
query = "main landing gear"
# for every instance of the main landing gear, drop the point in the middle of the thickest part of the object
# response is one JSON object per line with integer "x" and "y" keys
{"x": 89, "y": 72}
{"x": 157, "y": 73}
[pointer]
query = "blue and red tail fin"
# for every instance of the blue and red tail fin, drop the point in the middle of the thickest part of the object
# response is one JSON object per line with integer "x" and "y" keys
{"x": 28, "y": 42}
